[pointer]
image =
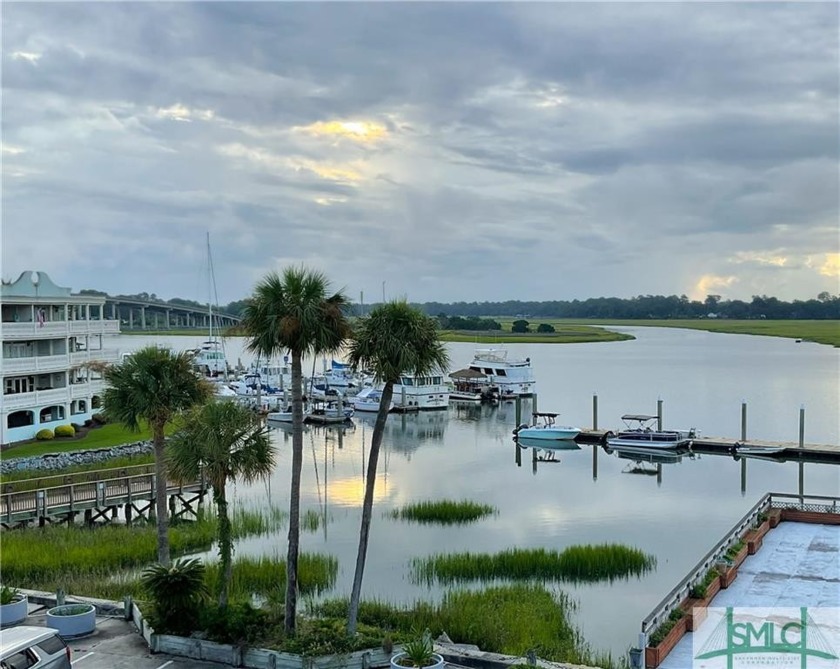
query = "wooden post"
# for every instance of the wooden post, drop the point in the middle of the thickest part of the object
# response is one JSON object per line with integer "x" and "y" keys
{"x": 595, "y": 449}
{"x": 534, "y": 408}
{"x": 743, "y": 421}
{"x": 594, "y": 411}
{"x": 659, "y": 414}
{"x": 743, "y": 476}
{"x": 801, "y": 445}
{"x": 518, "y": 411}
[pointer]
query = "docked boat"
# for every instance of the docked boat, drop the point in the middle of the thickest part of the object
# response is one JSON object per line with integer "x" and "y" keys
{"x": 284, "y": 415}
{"x": 209, "y": 359}
{"x": 472, "y": 386}
{"x": 513, "y": 377}
{"x": 548, "y": 446}
{"x": 328, "y": 413}
{"x": 773, "y": 453}
{"x": 420, "y": 393}
{"x": 368, "y": 400}
{"x": 545, "y": 428}
{"x": 641, "y": 433}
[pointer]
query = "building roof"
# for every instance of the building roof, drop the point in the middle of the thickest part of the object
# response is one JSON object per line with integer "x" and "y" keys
{"x": 32, "y": 283}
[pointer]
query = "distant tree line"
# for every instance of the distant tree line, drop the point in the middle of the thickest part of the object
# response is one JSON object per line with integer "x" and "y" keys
{"x": 474, "y": 315}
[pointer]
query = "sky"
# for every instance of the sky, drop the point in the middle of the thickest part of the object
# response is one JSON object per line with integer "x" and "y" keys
{"x": 434, "y": 151}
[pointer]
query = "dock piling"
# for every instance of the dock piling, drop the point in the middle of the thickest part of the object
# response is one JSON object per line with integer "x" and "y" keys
{"x": 594, "y": 411}
{"x": 743, "y": 421}
{"x": 659, "y": 414}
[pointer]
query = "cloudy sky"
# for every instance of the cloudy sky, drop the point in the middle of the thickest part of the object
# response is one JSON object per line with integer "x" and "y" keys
{"x": 438, "y": 151}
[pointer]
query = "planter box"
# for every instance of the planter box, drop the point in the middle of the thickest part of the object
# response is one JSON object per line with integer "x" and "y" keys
{"x": 730, "y": 574}
{"x": 695, "y": 613}
{"x": 774, "y": 518}
{"x": 15, "y": 612}
{"x": 72, "y": 625}
{"x": 755, "y": 537}
{"x": 437, "y": 664}
{"x": 740, "y": 556}
{"x": 654, "y": 655}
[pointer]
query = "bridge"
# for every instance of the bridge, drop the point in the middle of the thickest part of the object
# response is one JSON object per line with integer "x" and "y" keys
{"x": 97, "y": 494}
{"x": 136, "y": 314}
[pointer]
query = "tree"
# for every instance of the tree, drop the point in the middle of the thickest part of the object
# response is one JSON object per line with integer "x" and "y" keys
{"x": 176, "y": 593}
{"x": 394, "y": 339}
{"x": 520, "y": 326}
{"x": 154, "y": 385}
{"x": 226, "y": 441}
{"x": 545, "y": 327}
{"x": 293, "y": 312}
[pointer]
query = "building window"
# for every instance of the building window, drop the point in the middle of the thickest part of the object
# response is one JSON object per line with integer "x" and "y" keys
{"x": 20, "y": 419}
{"x": 96, "y": 402}
{"x": 19, "y": 384}
{"x": 51, "y": 414}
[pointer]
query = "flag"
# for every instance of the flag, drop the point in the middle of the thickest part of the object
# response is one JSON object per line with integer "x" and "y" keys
{"x": 42, "y": 316}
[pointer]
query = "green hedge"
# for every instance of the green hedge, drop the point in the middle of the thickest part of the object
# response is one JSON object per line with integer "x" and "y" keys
{"x": 65, "y": 431}
{"x": 45, "y": 435}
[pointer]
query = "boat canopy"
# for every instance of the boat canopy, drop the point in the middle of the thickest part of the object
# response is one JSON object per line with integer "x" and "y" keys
{"x": 467, "y": 374}
{"x": 545, "y": 414}
{"x": 641, "y": 417}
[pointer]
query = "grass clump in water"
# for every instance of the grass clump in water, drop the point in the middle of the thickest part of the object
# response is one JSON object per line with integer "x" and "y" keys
{"x": 446, "y": 512}
{"x": 574, "y": 564}
{"x": 266, "y": 576}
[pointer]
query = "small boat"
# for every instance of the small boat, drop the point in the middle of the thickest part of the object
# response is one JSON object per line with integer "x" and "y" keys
{"x": 640, "y": 432}
{"x": 368, "y": 400}
{"x": 547, "y": 445}
{"x": 774, "y": 453}
{"x": 472, "y": 385}
{"x": 547, "y": 429}
{"x": 325, "y": 413}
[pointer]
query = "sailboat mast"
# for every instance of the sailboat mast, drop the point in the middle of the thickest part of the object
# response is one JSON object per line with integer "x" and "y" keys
{"x": 210, "y": 285}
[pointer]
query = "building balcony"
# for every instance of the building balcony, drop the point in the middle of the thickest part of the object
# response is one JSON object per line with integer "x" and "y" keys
{"x": 51, "y": 330}
{"x": 56, "y": 363}
{"x": 39, "y": 398}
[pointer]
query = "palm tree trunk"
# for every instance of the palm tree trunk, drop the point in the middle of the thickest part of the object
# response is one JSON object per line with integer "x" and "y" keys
{"x": 294, "y": 502}
{"x": 159, "y": 441}
{"x": 225, "y": 544}
{"x": 367, "y": 506}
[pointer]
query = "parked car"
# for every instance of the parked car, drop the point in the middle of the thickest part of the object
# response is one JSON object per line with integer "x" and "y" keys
{"x": 23, "y": 647}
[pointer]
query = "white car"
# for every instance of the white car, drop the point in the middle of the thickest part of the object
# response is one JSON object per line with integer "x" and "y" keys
{"x": 23, "y": 647}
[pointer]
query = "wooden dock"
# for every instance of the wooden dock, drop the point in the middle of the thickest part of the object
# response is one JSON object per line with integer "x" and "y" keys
{"x": 822, "y": 453}
{"x": 98, "y": 495}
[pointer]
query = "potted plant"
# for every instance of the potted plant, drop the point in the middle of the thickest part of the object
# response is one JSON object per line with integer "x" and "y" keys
{"x": 665, "y": 637}
{"x": 13, "y": 606}
{"x": 418, "y": 653}
{"x": 72, "y": 620}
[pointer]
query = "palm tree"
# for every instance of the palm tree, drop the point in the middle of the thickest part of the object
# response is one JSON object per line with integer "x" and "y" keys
{"x": 393, "y": 339}
{"x": 224, "y": 440}
{"x": 292, "y": 312}
{"x": 153, "y": 385}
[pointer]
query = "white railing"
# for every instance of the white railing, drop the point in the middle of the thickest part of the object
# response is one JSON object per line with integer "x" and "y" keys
{"x": 39, "y": 398}
{"x": 58, "y": 329}
{"x": 101, "y": 355}
{"x": 36, "y": 363}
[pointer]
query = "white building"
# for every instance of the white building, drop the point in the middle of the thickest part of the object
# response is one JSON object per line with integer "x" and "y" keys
{"x": 48, "y": 338}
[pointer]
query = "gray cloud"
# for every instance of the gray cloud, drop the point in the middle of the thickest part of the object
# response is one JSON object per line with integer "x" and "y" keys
{"x": 530, "y": 150}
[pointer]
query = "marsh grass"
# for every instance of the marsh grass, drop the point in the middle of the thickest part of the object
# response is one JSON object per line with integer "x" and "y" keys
{"x": 102, "y": 560}
{"x": 265, "y": 577}
{"x": 575, "y": 564}
{"x": 445, "y": 512}
{"x": 510, "y": 619}
{"x": 310, "y": 521}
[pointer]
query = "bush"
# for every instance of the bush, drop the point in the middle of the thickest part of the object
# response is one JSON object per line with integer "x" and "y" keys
{"x": 239, "y": 623}
{"x": 65, "y": 431}
{"x": 99, "y": 419}
{"x": 45, "y": 435}
{"x": 177, "y": 593}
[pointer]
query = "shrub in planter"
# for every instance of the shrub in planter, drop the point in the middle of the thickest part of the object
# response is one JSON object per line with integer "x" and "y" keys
{"x": 72, "y": 620}
{"x": 177, "y": 593}
{"x": 418, "y": 653}
{"x": 45, "y": 435}
{"x": 14, "y": 606}
{"x": 65, "y": 431}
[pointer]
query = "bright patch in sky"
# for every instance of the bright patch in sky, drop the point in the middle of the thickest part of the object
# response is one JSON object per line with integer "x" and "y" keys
{"x": 359, "y": 131}
{"x": 831, "y": 266}
{"x": 760, "y": 258}
{"x": 710, "y": 284}
{"x": 27, "y": 56}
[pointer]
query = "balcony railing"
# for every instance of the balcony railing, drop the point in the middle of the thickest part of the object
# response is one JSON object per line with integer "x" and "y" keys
{"x": 58, "y": 329}
{"x": 34, "y": 364}
{"x": 36, "y": 399}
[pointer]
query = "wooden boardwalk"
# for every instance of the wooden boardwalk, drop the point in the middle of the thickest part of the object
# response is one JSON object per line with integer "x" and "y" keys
{"x": 98, "y": 495}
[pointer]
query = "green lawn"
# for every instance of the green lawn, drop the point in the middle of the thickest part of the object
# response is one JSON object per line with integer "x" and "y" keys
{"x": 113, "y": 434}
{"x": 566, "y": 333}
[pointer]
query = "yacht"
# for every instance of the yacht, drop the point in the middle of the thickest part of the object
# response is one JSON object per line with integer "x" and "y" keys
{"x": 368, "y": 400}
{"x": 513, "y": 377}
{"x": 419, "y": 393}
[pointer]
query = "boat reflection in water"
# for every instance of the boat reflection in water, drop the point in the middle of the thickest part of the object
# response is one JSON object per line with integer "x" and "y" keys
{"x": 648, "y": 461}
{"x": 543, "y": 450}
{"x": 406, "y": 432}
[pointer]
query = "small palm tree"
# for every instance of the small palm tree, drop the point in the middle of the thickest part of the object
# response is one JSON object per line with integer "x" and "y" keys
{"x": 226, "y": 441}
{"x": 393, "y": 339}
{"x": 294, "y": 313}
{"x": 153, "y": 385}
{"x": 176, "y": 593}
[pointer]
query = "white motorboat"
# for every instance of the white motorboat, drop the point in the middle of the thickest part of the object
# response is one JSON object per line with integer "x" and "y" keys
{"x": 325, "y": 413}
{"x": 414, "y": 393}
{"x": 640, "y": 433}
{"x": 368, "y": 400}
{"x": 512, "y": 377}
{"x": 547, "y": 445}
{"x": 545, "y": 428}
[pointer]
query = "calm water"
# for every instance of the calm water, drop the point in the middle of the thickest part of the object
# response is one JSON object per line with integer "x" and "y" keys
{"x": 586, "y": 497}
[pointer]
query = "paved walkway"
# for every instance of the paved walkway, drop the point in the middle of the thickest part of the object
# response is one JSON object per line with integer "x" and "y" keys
{"x": 798, "y": 565}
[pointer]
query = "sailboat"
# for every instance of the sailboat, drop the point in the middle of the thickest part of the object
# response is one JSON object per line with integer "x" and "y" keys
{"x": 209, "y": 358}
